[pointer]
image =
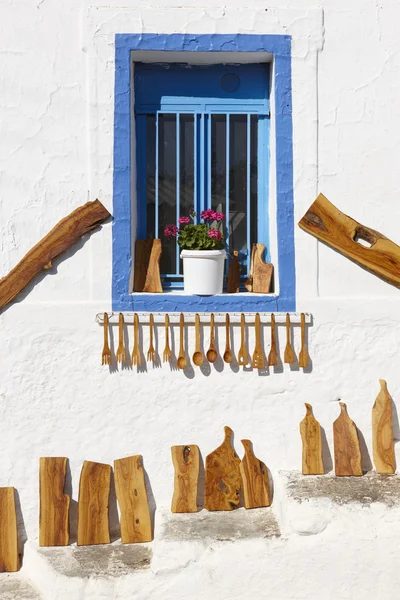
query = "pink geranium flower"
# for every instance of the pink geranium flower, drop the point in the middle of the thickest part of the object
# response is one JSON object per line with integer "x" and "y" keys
{"x": 184, "y": 220}
{"x": 208, "y": 215}
{"x": 219, "y": 216}
{"x": 212, "y": 233}
{"x": 171, "y": 230}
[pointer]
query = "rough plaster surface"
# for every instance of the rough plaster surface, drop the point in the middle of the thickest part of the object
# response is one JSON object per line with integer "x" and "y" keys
{"x": 15, "y": 587}
{"x": 56, "y": 132}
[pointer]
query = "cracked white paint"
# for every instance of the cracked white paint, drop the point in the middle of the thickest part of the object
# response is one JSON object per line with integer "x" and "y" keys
{"x": 56, "y": 144}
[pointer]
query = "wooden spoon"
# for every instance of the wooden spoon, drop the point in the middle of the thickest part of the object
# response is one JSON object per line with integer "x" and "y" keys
{"x": 273, "y": 359}
{"x": 228, "y": 355}
{"x": 289, "y": 356}
{"x": 243, "y": 357}
{"x": 212, "y": 351}
{"x": 303, "y": 356}
{"x": 198, "y": 355}
{"x": 181, "y": 362}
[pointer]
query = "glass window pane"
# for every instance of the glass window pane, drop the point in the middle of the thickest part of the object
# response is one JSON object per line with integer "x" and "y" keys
{"x": 151, "y": 171}
{"x": 253, "y": 179}
{"x": 218, "y": 163}
{"x": 238, "y": 183}
{"x": 167, "y": 188}
{"x": 186, "y": 164}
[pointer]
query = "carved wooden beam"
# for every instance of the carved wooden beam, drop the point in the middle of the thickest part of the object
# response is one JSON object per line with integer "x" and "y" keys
{"x": 381, "y": 256}
{"x": 64, "y": 235}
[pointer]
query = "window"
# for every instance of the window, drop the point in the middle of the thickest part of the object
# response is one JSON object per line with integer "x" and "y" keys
{"x": 202, "y": 136}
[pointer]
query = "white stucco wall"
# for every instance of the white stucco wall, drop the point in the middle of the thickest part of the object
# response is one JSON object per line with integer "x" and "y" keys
{"x": 56, "y": 118}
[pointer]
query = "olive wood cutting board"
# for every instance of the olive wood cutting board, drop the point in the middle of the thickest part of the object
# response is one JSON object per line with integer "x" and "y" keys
{"x": 54, "y": 504}
{"x": 94, "y": 492}
{"x": 146, "y": 277}
{"x": 255, "y": 480}
{"x": 260, "y": 277}
{"x": 222, "y": 476}
{"x": 348, "y": 461}
{"x": 325, "y": 222}
{"x": 186, "y": 461}
{"x": 382, "y": 432}
{"x": 9, "y": 559}
{"x": 310, "y": 432}
{"x": 132, "y": 499}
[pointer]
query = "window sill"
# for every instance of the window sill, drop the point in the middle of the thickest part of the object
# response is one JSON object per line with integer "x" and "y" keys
{"x": 177, "y": 301}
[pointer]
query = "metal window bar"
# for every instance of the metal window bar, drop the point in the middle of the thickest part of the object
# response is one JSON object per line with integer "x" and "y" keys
{"x": 178, "y": 187}
{"x": 248, "y": 207}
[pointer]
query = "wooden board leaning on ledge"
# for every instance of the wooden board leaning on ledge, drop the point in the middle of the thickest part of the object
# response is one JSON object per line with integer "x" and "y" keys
{"x": 94, "y": 493}
{"x": 54, "y": 504}
{"x": 325, "y": 222}
{"x": 9, "y": 559}
{"x": 64, "y": 235}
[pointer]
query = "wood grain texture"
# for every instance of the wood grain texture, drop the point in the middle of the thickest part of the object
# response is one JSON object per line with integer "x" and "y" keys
{"x": 152, "y": 282}
{"x": 64, "y": 235}
{"x": 54, "y": 504}
{"x": 186, "y": 461}
{"x": 382, "y": 432}
{"x": 262, "y": 271}
{"x": 94, "y": 493}
{"x": 222, "y": 476}
{"x": 289, "y": 355}
{"x": 248, "y": 284}
{"x": 255, "y": 480}
{"x": 273, "y": 358}
{"x": 348, "y": 460}
{"x": 339, "y": 231}
{"x": 233, "y": 284}
{"x": 310, "y": 432}
{"x": 132, "y": 499}
{"x": 9, "y": 559}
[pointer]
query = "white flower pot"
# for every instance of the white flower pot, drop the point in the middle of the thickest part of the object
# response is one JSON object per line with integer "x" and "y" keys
{"x": 203, "y": 271}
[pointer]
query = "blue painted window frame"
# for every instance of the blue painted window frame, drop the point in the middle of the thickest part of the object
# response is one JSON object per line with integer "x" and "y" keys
{"x": 280, "y": 47}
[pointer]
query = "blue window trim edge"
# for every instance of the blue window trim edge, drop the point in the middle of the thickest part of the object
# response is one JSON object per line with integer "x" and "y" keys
{"x": 280, "y": 47}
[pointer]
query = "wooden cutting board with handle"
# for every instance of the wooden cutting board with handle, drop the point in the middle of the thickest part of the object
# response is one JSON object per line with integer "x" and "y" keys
{"x": 255, "y": 480}
{"x": 132, "y": 499}
{"x": 261, "y": 271}
{"x": 310, "y": 431}
{"x": 348, "y": 461}
{"x": 382, "y": 432}
{"x": 9, "y": 559}
{"x": 54, "y": 504}
{"x": 222, "y": 476}
{"x": 186, "y": 461}
{"x": 146, "y": 277}
{"x": 94, "y": 492}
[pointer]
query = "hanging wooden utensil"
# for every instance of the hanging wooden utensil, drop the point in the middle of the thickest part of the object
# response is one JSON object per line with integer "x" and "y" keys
{"x": 131, "y": 494}
{"x": 310, "y": 432}
{"x": 181, "y": 362}
{"x": 198, "y": 355}
{"x": 186, "y": 461}
{"x": 382, "y": 432}
{"x": 94, "y": 492}
{"x": 348, "y": 461}
{"x": 233, "y": 285}
{"x": 54, "y": 504}
{"x": 256, "y": 488}
{"x": 167, "y": 354}
{"x": 303, "y": 356}
{"x": 151, "y": 353}
{"x": 273, "y": 358}
{"x": 212, "y": 351}
{"x": 9, "y": 559}
{"x": 228, "y": 355}
{"x": 243, "y": 357}
{"x": 121, "y": 354}
{"x": 106, "y": 354}
{"x": 289, "y": 356}
{"x": 136, "y": 354}
{"x": 222, "y": 476}
{"x": 258, "y": 354}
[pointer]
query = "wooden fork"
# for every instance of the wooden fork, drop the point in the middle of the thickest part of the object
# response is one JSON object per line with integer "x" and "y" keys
{"x": 243, "y": 357}
{"x": 106, "y": 355}
{"x": 167, "y": 354}
{"x": 136, "y": 356}
{"x": 151, "y": 353}
{"x": 121, "y": 354}
{"x": 258, "y": 355}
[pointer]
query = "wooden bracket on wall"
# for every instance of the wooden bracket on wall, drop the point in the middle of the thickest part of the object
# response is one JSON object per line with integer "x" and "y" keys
{"x": 64, "y": 235}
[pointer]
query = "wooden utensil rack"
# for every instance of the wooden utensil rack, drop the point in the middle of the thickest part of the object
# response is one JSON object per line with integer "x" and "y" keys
{"x": 219, "y": 318}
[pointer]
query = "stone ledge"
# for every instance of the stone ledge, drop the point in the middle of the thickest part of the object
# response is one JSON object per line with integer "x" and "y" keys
{"x": 221, "y": 526}
{"x": 114, "y": 560}
{"x": 15, "y": 587}
{"x": 364, "y": 490}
